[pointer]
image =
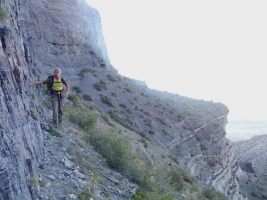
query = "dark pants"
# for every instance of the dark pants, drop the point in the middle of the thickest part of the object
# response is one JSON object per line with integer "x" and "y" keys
{"x": 57, "y": 104}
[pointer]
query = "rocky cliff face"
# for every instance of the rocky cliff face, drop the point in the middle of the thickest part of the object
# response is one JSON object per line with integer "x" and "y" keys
{"x": 21, "y": 138}
{"x": 37, "y": 36}
{"x": 41, "y": 35}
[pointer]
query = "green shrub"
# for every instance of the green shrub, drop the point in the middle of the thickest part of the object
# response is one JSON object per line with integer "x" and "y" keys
{"x": 165, "y": 132}
{"x": 95, "y": 75}
{"x": 75, "y": 99}
{"x": 144, "y": 141}
{"x": 175, "y": 159}
{"x": 111, "y": 78}
{"x": 155, "y": 194}
{"x": 118, "y": 152}
{"x": 99, "y": 86}
{"x": 54, "y": 132}
{"x": 123, "y": 106}
{"x": 3, "y": 14}
{"x": 128, "y": 111}
{"x": 128, "y": 90}
{"x": 176, "y": 179}
{"x": 76, "y": 89}
{"x": 107, "y": 119}
{"x": 87, "y": 97}
{"x": 85, "y": 120}
{"x": 179, "y": 178}
{"x": 84, "y": 194}
{"x": 107, "y": 100}
{"x": 83, "y": 72}
{"x": 33, "y": 96}
{"x": 211, "y": 194}
{"x": 113, "y": 147}
{"x": 161, "y": 121}
{"x": 148, "y": 122}
{"x": 114, "y": 94}
{"x": 34, "y": 114}
{"x": 147, "y": 113}
{"x": 122, "y": 122}
{"x": 33, "y": 181}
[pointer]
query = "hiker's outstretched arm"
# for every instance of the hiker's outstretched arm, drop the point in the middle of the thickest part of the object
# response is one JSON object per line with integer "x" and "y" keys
{"x": 68, "y": 88}
{"x": 36, "y": 83}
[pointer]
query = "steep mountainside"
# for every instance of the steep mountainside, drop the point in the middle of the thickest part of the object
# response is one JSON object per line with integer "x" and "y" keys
{"x": 41, "y": 35}
{"x": 252, "y": 173}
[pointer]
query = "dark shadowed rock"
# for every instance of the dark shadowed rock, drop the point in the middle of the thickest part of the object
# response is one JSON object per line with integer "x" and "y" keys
{"x": 246, "y": 167}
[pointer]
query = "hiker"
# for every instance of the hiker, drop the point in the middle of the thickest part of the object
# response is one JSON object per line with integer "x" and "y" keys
{"x": 55, "y": 87}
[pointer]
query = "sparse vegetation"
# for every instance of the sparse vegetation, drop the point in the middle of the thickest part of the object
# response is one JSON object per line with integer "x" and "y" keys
{"x": 99, "y": 86}
{"x": 76, "y": 100}
{"x": 161, "y": 121}
{"x": 120, "y": 155}
{"x": 86, "y": 120}
{"x": 148, "y": 122}
{"x": 128, "y": 90}
{"x": 84, "y": 194}
{"x": 113, "y": 147}
{"x": 114, "y": 94}
{"x": 128, "y": 111}
{"x": 76, "y": 89}
{"x": 175, "y": 160}
{"x": 107, "y": 119}
{"x": 87, "y": 97}
{"x": 3, "y": 14}
{"x": 111, "y": 78}
{"x": 147, "y": 113}
{"x": 122, "y": 105}
{"x": 155, "y": 194}
{"x": 165, "y": 132}
{"x": 83, "y": 72}
{"x": 144, "y": 141}
{"x": 33, "y": 96}
{"x": 33, "y": 181}
{"x": 54, "y": 132}
{"x": 95, "y": 75}
{"x": 34, "y": 114}
{"x": 122, "y": 122}
{"x": 211, "y": 194}
{"x": 106, "y": 100}
{"x": 178, "y": 177}
{"x": 108, "y": 142}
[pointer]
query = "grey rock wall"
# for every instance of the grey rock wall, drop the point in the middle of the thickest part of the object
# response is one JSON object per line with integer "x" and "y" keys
{"x": 21, "y": 138}
{"x": 37, "y": 36}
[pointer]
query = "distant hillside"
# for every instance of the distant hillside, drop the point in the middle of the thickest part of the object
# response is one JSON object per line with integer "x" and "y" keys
{"x": 243, "y": 130}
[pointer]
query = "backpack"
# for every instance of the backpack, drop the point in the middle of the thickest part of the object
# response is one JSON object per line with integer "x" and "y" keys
{"x": 50, "y": 84}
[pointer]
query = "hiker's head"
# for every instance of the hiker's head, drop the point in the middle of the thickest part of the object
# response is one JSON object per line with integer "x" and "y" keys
{"x": 57, "y": 72}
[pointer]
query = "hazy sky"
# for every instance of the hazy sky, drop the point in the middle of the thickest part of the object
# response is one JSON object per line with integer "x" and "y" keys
{"x": 212, "y": 50}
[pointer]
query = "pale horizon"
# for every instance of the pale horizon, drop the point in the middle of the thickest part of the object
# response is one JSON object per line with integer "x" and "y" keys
{"x": 201, "y": 49}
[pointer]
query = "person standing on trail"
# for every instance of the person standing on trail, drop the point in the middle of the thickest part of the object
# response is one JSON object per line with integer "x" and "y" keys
{"x": 55, "y": 88}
